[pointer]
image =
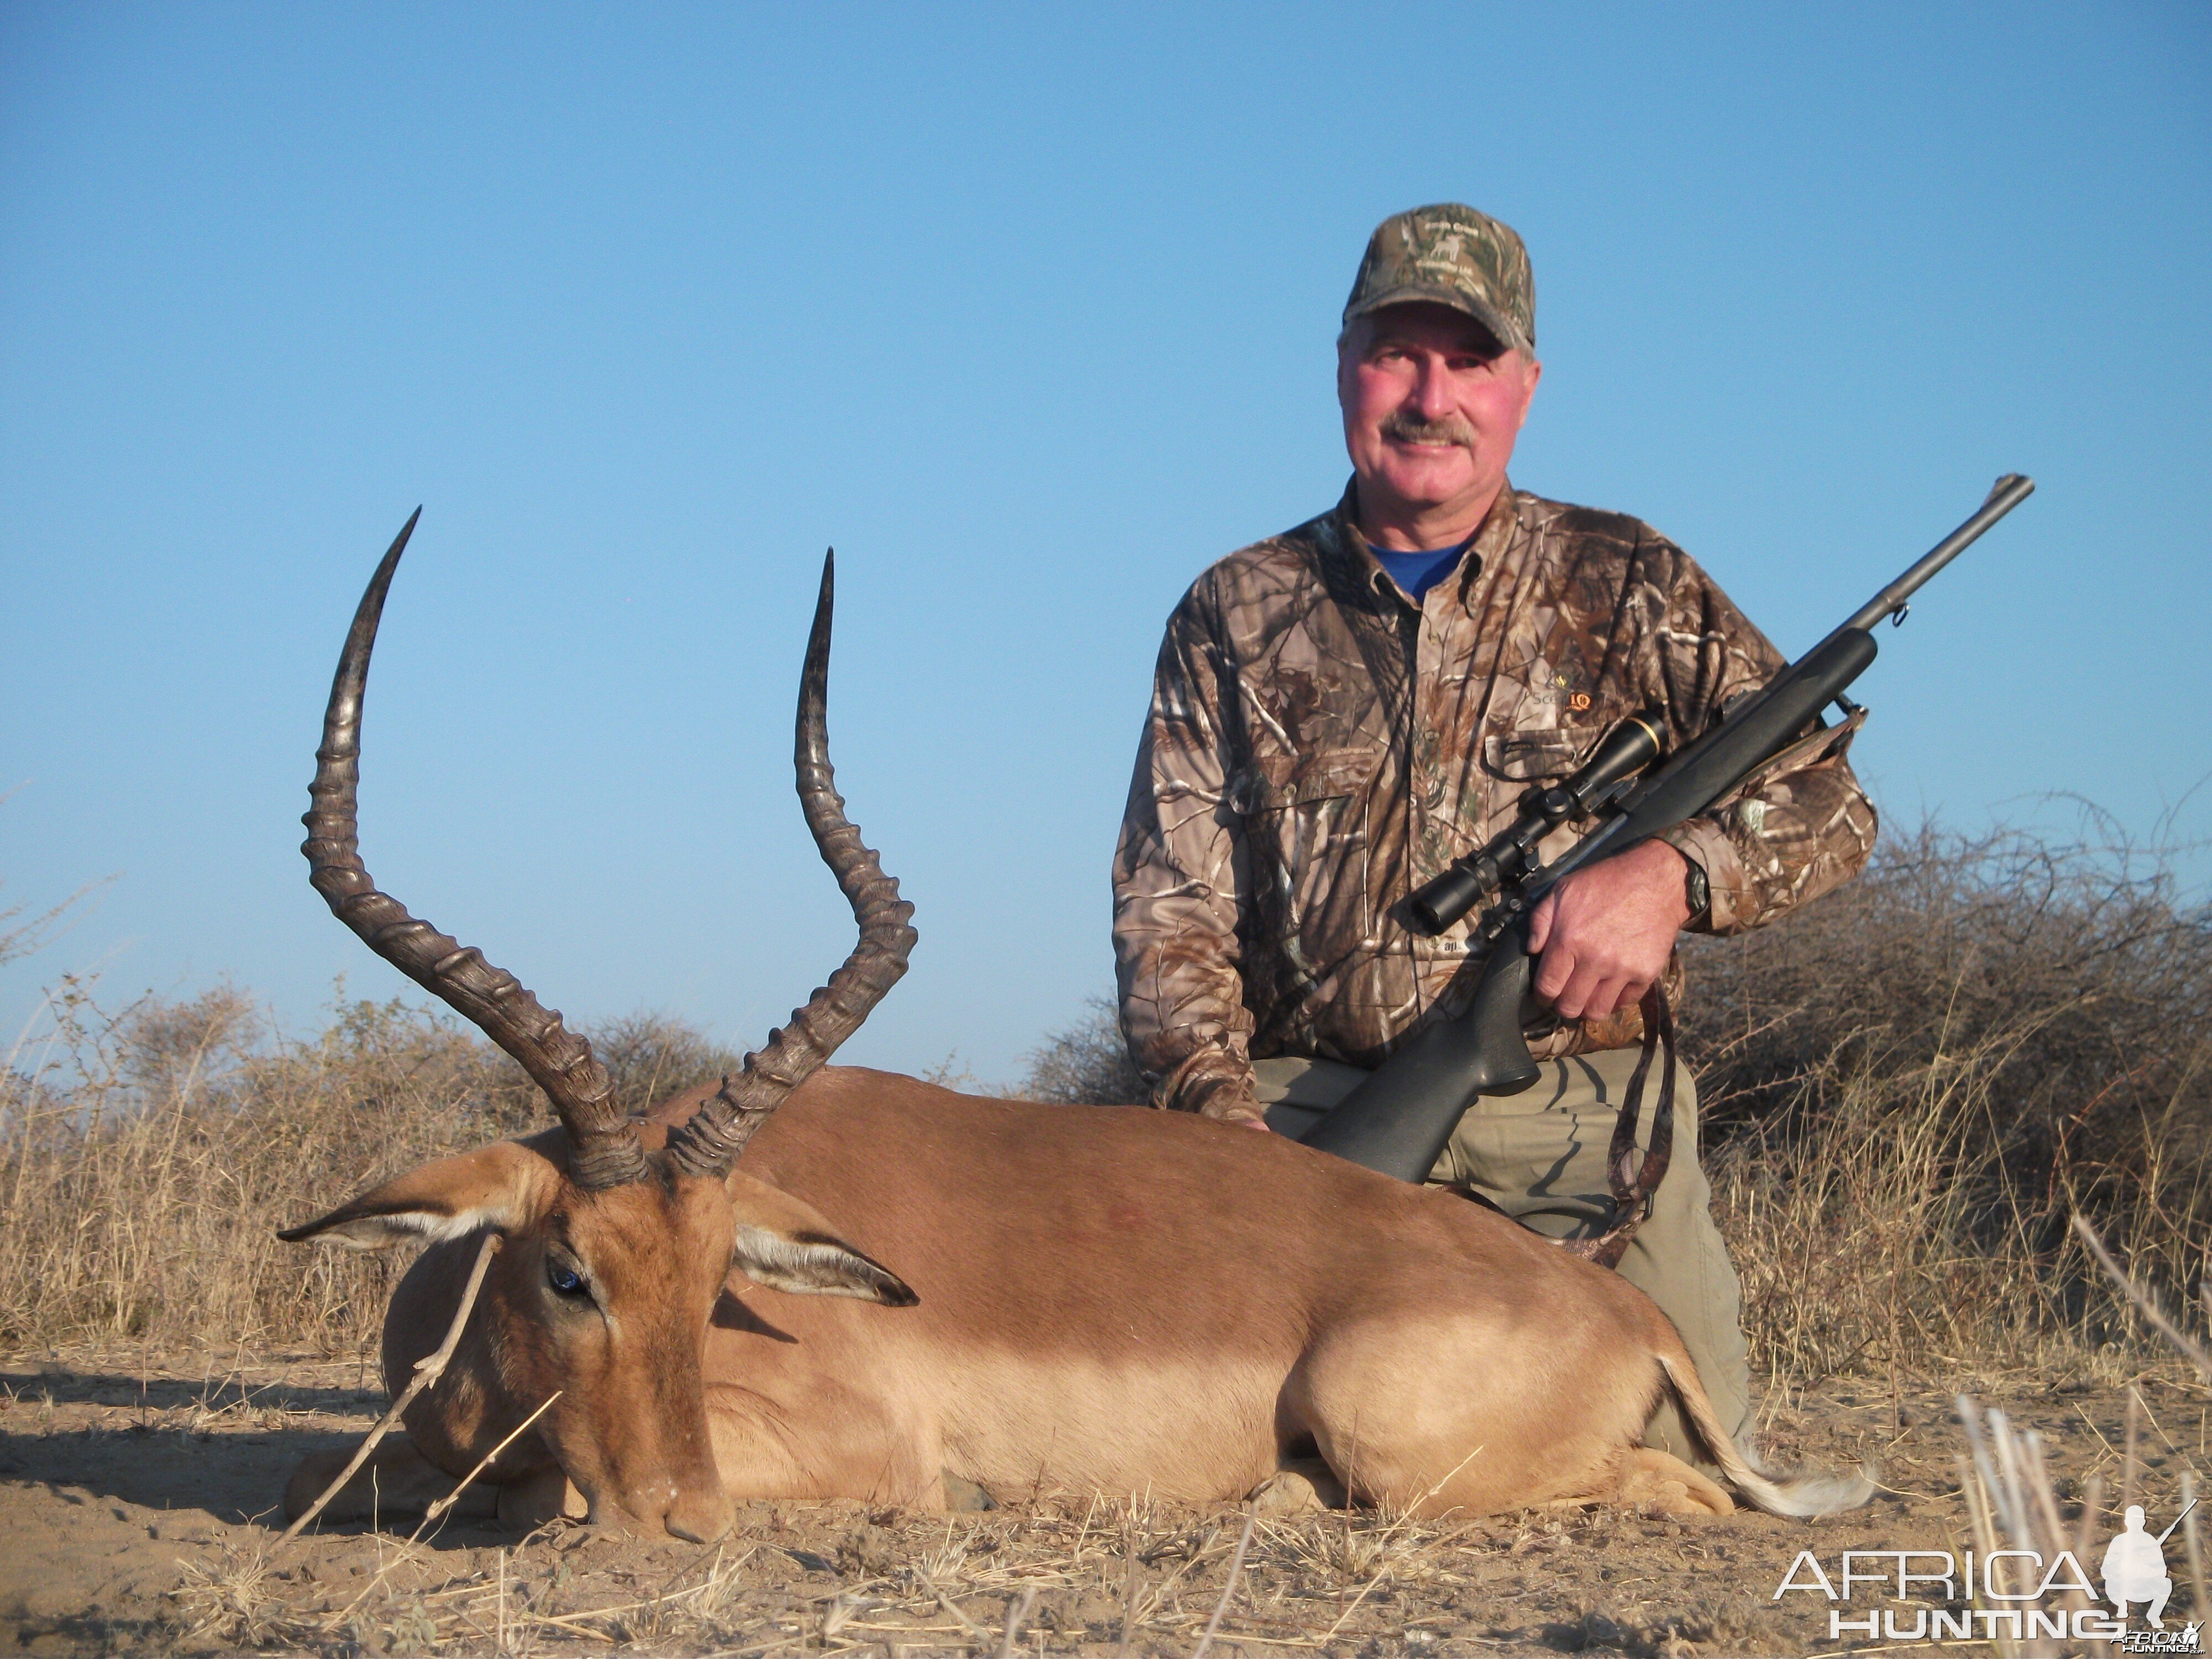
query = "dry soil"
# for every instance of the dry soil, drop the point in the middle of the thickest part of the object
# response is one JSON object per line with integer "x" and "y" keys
{"x": 138, "y": 1491}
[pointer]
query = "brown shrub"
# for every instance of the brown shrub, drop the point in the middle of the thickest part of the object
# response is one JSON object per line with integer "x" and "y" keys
{"x": 148, "y": 1157}
{"x": 150, "y": 1160}
{"x": 1087, "y": 1064}
{"x": 1911, "y": 1087}
{"x": 650, "y": 1056}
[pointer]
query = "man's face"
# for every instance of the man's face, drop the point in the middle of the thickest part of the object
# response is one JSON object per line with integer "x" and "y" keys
{"x": 1432, "y": 406}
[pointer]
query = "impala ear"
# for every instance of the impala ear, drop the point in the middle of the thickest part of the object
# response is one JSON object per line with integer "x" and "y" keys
{"x": 493, "y": 1185}
{"x": 786, "y": 1245}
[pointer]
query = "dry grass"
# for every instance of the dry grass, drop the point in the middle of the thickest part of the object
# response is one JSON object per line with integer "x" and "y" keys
{"x": 1131, "y": 1576}
{"x": 147, "y": 1157}
{"x": 1915, "y": 1087}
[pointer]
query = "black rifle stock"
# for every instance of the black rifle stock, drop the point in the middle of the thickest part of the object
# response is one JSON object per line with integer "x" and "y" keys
{"x": 1400, "y": 1119}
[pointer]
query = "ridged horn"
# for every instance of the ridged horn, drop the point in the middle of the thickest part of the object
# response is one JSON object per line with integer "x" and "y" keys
{"x": 603, "y": 1147}
{"x": 709, "y": 1143}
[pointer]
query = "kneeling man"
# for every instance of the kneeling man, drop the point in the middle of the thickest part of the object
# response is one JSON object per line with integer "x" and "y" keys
{"x": 1341, "y": 710}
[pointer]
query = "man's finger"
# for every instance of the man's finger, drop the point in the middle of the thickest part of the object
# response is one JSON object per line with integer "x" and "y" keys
{"x": 1259, "y": 1123}
{"x": 1553, "y": 969}
{"x": 1540, "y": 921}
{"x": 1612, "y": 996}
{"x": 1584, "y": 985}
{"x": 1594, "y": 1003}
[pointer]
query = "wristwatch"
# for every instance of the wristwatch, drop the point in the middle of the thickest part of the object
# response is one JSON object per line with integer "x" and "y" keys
{"x": 1697, "y": 892}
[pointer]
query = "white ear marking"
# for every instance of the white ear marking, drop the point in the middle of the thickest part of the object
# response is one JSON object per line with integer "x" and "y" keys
{"x": 380, "y": 1232}
{"x": 803, "y": 1265}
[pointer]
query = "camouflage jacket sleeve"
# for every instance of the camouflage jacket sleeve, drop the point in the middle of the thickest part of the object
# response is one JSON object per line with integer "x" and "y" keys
{"x": 1799, "y": 827}
{"x": 1177, "y": 872}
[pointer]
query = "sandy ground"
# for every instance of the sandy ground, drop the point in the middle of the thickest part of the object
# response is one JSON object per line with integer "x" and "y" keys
{"x": 137, "y": 1492}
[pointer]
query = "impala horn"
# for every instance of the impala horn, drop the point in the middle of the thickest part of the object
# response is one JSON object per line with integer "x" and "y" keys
{"x": 603, "y": 1149}
{"x": 709, "y": 1143}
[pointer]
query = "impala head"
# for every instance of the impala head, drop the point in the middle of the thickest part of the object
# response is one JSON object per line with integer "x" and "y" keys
{"x": 618, "y": 1242}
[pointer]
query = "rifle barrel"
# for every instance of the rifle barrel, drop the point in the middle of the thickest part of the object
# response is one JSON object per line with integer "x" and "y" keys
{"x": 2005, "y": 495}
{"x": 1693, "y": 777}
{"x": 2177, "y": 1520}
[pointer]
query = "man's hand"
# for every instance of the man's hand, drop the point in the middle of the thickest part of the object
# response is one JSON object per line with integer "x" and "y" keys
{"x": 1606, "y": 932}
{"x": 1225, "y": 1098}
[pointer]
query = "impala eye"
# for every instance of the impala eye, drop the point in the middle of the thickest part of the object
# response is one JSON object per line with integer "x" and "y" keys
{"x": 564, "y": 1278}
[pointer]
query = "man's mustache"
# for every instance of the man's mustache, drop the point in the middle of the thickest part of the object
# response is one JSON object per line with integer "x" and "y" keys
{"x": 1403, "y": 426}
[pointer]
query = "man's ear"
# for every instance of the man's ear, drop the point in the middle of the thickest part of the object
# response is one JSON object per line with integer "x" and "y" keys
{"x": 493, "y": 1185}
{"x": 1531, "y": 373}
{"x": 785, "y": 1243}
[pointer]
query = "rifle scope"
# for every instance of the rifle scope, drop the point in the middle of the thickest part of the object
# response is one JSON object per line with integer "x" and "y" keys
{"x": 1627, "y": 750}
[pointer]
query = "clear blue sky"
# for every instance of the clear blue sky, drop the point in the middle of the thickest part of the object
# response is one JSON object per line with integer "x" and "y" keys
{"x": 1029, "y": 312}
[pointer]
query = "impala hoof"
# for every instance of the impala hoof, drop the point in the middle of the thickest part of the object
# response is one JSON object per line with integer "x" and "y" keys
{"x": 699, "y": 1519}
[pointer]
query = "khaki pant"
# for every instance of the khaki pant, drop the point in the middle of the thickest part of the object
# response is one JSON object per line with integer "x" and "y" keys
{"x": 1540, "y": 1156}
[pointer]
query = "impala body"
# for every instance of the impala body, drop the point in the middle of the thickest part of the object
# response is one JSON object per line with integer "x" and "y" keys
{"x": 897, "y": 1284}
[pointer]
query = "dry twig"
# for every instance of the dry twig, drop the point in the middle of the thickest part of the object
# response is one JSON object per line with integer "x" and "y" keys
{"x": 485, "y": 1462}
{"x": 946, "y": 1602}
{"x": 427, "y": 1370}
{"x": 2191, "y": 1542}
{"x": 1229, "y": 1589}
{"x": 2006, "y": 1485}
{"x": 1016, "y": 1612}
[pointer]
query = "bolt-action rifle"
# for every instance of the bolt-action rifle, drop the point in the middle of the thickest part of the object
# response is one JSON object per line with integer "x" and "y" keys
{"x": 1399, "y": 1119}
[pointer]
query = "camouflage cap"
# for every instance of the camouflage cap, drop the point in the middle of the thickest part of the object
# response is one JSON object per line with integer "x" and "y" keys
{"x": 1453, "y": 256}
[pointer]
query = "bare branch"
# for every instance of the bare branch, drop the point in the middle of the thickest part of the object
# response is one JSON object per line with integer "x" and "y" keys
{"x": 427, "y": 1370}
{"x": 485, "y": 1462}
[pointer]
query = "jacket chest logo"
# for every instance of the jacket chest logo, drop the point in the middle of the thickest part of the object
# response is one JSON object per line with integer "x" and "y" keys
{"x": 1555, "y": 689}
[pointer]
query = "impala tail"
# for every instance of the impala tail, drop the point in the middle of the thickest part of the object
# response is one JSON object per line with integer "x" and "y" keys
{"x": 1809, "y": 1493}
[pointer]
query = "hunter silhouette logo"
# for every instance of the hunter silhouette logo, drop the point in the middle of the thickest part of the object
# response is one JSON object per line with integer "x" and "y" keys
{"x": 2134, "y": 1567}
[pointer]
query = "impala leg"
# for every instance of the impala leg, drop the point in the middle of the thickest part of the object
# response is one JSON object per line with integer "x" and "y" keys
{"x": 396, "y": 1481}
{"x": 546, "y": 1495}
{"x": 1663, "y": 1482}
{"x": 828, "y": 1440}
{"x": 1301, "y": 1486}
{"x": 1393, "y": 1434}
{"x": 1415, "y": 1412}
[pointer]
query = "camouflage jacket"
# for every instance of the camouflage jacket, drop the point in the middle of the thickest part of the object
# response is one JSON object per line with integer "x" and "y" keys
{"x": 1318, "y": 746}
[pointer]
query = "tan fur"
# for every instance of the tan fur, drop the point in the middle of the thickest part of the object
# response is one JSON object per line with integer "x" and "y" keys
{"x": 1109, "y": 1300}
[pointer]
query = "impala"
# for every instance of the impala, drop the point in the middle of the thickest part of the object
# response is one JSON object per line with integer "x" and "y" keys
{"x": 818, "y": 1283}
